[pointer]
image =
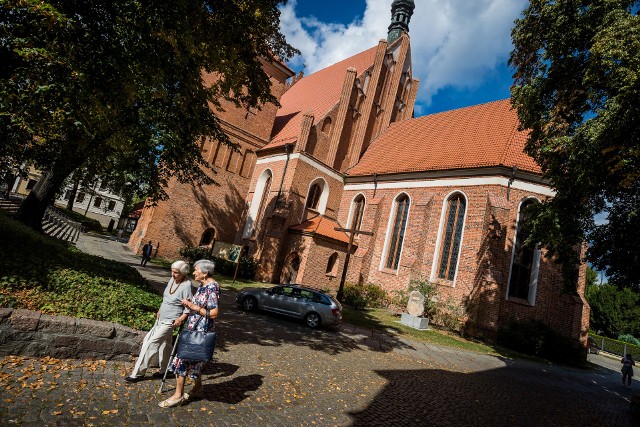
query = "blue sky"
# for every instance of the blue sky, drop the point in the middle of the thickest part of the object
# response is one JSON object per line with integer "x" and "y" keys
{"x": 459, "y": 48}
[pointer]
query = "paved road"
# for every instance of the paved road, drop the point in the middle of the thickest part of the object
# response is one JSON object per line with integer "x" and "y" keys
{"x": 274, "y": 372}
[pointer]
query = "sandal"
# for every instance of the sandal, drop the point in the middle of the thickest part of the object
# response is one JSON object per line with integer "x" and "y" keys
{"x": 168, "y": 403}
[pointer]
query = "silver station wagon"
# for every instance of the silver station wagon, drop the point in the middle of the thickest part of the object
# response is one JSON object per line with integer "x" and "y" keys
{"x": 314, "y": 307}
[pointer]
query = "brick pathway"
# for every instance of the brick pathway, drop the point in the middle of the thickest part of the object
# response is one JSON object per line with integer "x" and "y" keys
{"x": 275, "y": 372}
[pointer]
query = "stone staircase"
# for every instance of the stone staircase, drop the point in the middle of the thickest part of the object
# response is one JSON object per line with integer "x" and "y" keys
{"x": 54, "y": 223}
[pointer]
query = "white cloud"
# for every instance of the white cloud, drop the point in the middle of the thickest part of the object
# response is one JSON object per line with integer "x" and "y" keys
{"x": 454, "y": 43}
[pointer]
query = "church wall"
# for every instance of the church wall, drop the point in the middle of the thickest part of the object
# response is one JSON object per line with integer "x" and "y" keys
{"x": 348, "y": 131}
{"x": 267, "y": 244}
{"x": 181, "y": 220}
{"x": 483, "y": 267}
{"x": 320, "y": 136}
{"x": 314, "y": 256}
{"x": 253, "y": 121}
{"x": 191, "y": 210}
{"x": 137, "y": 238}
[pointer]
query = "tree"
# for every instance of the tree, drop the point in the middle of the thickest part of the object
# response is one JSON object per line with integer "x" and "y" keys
{"x": 577, "y": 89}
{"x": 117, "y": 86}
{"x": 614, "y": 311}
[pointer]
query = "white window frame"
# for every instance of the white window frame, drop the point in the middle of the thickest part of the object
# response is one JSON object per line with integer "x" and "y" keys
{"x": 387, "y": 237}
{"x": 436, "y": 256}
{"x": 353, "y": 206}
{"x": 324, "y": 196}
{"x": 255, "y": 202}
{"x": 535, "y": 263}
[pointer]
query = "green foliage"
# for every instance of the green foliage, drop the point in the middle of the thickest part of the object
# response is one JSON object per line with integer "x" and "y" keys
{"x": 538, "y": 339}
{"x": 629, "y": 339}
{"x": 42, "y": 273}
{"x": 591, "y": 278}
{"x": 614, "y": 311}
{"x": 616, "y": 347}
{"x": 118, "y": 86}
{"x": 364, "y": 295}
{"x": 577, "y": 79}
{"x": 194, "y": 253}
{"x": 246, "y": 269}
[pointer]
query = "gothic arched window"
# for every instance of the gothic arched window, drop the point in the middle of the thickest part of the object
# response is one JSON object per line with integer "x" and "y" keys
{"x": 356, "y": 212}
{"x": 399, "y": 221}
{"x": 332, "y": 263}
{"x": 451, "y": 237}
{"x": 525, "y": 260}
{"x": 263, "y": 201}
{"x": 314, "y": 197}
{"x": 207, "y": 237}
{"x": 258, "y": 203}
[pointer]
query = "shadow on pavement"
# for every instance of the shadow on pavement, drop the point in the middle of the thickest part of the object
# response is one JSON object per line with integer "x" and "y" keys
{"x": 232, "y": 391}
{"x": 496, "y": 397}
{"x": 238, "y": 327}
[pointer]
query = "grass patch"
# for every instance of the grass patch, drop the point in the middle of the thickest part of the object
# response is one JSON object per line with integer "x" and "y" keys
{"x": 46, "y": 274}
{"x": 382, "y": 319}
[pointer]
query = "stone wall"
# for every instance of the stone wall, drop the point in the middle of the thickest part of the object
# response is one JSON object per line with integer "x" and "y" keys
{"x": 31, "y": 333}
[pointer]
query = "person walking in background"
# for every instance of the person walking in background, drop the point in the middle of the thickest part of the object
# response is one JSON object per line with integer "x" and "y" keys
{"x": 170, "y": 315}
{"x": 627, "y": 370}
{"x": 147, "y": 250}
{"x": 205, "y": 302}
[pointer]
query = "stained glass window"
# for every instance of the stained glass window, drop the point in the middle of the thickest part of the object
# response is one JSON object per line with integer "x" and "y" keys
{"x": 399, "y": 226}
{"x": 314, "y": 197}
{"x": 522, "y": 264}
{"x": 331, "y": 263}
{"x": 263, "y": 202}
{"x": 356, "y": 216}
{"x": 451, "y": 237}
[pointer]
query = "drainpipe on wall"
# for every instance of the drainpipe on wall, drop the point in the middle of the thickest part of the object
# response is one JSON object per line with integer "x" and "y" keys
{"x": 511, "y": 178}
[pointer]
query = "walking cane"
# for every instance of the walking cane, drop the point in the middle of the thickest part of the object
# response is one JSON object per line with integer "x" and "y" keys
{"x": 173, "y": 354}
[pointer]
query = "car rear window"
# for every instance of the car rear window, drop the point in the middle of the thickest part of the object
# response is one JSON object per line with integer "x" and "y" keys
{"x": 322, "y": 299}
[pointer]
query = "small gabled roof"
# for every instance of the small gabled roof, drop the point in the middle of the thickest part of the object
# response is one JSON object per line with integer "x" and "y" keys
{"x": 317, "y": 93}
{"x": 479, "y": 136}
{"x": 322, "y": 226}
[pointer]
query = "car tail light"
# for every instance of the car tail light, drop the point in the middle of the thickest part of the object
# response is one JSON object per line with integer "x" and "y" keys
{"x": 335, "y": 312}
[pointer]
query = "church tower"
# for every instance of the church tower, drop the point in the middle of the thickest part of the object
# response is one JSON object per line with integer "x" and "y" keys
{"x": 401, "y": 12}
{"x": 325, "y": 124}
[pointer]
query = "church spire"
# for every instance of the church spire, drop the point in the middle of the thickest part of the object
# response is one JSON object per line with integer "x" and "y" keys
{"x": 401, "y": 11}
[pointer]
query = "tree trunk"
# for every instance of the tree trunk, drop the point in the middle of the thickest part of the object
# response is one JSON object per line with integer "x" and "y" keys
{"x": 74, "y": 192}
{"x": 43, "y": 194}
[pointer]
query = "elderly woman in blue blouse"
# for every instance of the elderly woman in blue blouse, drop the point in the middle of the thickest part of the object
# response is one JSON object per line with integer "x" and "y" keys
{"x": 206, "y": 297}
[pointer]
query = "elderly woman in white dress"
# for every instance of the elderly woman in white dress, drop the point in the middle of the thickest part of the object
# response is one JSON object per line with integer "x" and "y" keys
{"x": 204, "y": 303}
{"x": 170, "y": 316}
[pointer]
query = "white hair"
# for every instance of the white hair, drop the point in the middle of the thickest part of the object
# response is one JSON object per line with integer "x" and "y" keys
{"x": 206, "y": 266}
{"x": 181, "y": 266}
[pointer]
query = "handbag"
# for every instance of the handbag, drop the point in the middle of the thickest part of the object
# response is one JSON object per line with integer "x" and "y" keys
{"x": 197, "y": 346}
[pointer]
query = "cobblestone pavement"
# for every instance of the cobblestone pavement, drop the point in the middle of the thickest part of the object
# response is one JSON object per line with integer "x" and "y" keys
{"x": 271, "y": 371}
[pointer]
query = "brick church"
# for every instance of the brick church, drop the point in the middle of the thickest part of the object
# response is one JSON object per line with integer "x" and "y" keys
{"x": 440, "y": 197}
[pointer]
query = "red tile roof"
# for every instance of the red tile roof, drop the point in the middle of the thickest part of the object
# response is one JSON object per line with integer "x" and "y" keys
{"x": 477, "y": 136}
{"x": 322, "y": 226}
{"x": 318, "y": 93}
{"x": 136, "y": 210}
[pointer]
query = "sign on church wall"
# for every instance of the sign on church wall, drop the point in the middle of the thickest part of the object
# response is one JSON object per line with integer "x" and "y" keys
{"x": 226, "y": 251}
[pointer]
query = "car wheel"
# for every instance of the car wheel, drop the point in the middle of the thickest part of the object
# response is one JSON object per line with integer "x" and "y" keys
{"x": 312, "y": 320}
{"x": 249, "y": 303}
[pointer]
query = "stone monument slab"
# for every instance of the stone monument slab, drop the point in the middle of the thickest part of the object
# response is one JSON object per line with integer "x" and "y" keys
{"x": 415, "y": 306}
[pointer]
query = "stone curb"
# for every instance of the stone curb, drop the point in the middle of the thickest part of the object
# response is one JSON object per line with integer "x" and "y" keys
{"x": 31, "y": 333}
